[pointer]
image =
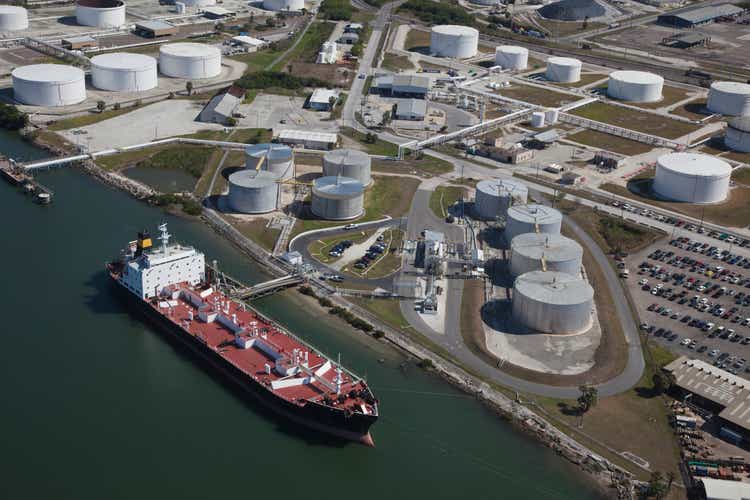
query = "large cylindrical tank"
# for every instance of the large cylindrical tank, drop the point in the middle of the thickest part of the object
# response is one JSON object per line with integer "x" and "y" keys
{"x": 49, "y": 85}
{"x": 348, "y": 163}
{"x": 13, "y": 18}
{"x": 729, "y": 98}
{"x": 559, "y": 253}
{"x": 283, "y": 4}
{"x": 512, "y": 57}
{"x": 337, "y": 198}
{"x": 275, "y": 158}
{"x": 537, "y": 119}
{"x": 190, "y": 60}
{"x": 635, "y": 86}
{"x": 197, "y": 4}
{"x": 123, "y": 72}
{"x": 553, "y": 302}
{"x": 100, "y": 13}
{"x": 563, "y": 70}
{"x": 738, "y": 134}
{"x": 692, "y": 178}
{"x": 494, "y": 196}
{"x": 449, "y": 40}
{"x": 531, "y": 218}
{"x": 252, "y": 192}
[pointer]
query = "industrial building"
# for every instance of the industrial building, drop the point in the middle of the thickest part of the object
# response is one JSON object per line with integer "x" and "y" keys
{"x": 198, "y": 4}
{"x": 404, "y": 86}
{"x": 329, "y": 53}
{"x": 512, "y": 57}
{"x": 49, "y": 85}
{"x": 512, "y": 154}
{"x": 249, "y": 43}
{"x": 308, "y": 139}
{"x": 79, "y": 43}
{"x": 553, "y": 302}
{"x": 217, "y": 13}
{"x": 275, "y": 158}
{"x": 729, "y": 98}
{"x": 531, "y": 218}
{"x": 686, "y": 40}
{"x": 545, "y": 252}
{"x": 450, "y": 40}
{"x": 253, "y": 192}
{"x": 100, "y": 13}
{"x": 123, "y": 72}
{"x": 692, "y": 178}
{"x": 13, "y": 18}
{"x": 222, "y": 106}
{"x": 572, "y": 10}
{"x": 635, "y": 86}
{"x": 323, "y": 99}
{"x": 411, "y": 109}
{"x": 348, "y": 163}
{"x": 155, "y": 29}
{"x": 723, "y": 489}
{"x": 284, "y": 5}
{"x": 494, "y": 197}
{"x": 348, "y": 38}
{"x": 193, "y": 61}
{"x": 738, "y": 134}
{"x": 699, "y": 15}
{"x": 337, "y": 198}
{"x": 563, "y": 70}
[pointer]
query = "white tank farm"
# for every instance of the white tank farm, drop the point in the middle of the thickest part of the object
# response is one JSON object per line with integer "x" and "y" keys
{"x": 123, "y": 72}
{"x": 252, "y": 192}
{"x": 450, "y": 40}
{"x": 729, "y": 98}
{"x": 692, "y": 178}
{"x": 553, "y": 302}
{"x": 738, "y": 134}
{"x": 560, "y": 254}
{"x": 197, "y": 4}
{"x": 563, "y": 70}
{"x": 49, "y": 85}
{"x": 283, "y": 4}
{"x": 635, "y": 86}
{"x": 493, "y": 197}
{"x": 512, "y": 57}
{"x": 531, "y": 218}
{"x": 190, "y": 60}
{"x": 13, "y": 18}
{"x": 337, "y": 198}
{"x": 348, "y": 163}
{"x": 275, "y": 158}
{"x": 100, "y": 13}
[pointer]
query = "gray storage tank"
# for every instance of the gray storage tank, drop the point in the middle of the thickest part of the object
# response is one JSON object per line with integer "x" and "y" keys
{"x": 553, "y": 302}
{"x": 275, "y": 158}
{"x": 531, "y": 218}
{"x": 495, "y": 196}
{"x": 337, "y": 198}
{"x": 559, "y": 253}
{"x": 253, "y": 192}
{"x": 348, "y": 163}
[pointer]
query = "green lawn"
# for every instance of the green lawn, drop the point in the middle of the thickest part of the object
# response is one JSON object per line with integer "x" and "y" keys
{"x": 378, "y": 147}
{"x": 307, "y": 49}
{"x": 396, "y": 63}
{"x": 258, "y": 231}
{"x": 91, "y": 118}
{"x": 445, "y": 197}
{"x": 647, "y": 123}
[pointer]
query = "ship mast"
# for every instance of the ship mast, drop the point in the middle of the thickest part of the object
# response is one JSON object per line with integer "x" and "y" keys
{"x": 164, "y": 237}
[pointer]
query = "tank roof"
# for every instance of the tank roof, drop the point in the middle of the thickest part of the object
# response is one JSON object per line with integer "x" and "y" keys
{"x": 347, "y": 157}
{"x": 731, "y": 87}
{"x": 533, "y": 213}
{"x": 741, "y": 123}
{"x": 49, "y": 73}
{"x": 253, "y": 178}
{"x": 695, "y": 164}
{"x": 337, "y": 186}
{"x": 271, "y": 151}
{"x": 641, "y": 77}
{"x": 511, "y": 49}
{"x": 11, "y": 9}
{"x": 555, "y": 288}
{"x": 502, "y": 187}
{"x": 553, "y": 247}
{"x": 454, "y": 29}
{"x": 572, "y": 10}
{"x": 101, "y": 4}
{"x": 189, "y": 49}
{"x": 563, "y": 61}
{"x": 123, "y": 61}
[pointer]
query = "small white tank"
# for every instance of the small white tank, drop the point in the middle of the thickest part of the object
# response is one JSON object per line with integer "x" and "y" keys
{"x": 551, "y": 116}
{"x": 537, "y": 119}
{"x": 563, "y": 70}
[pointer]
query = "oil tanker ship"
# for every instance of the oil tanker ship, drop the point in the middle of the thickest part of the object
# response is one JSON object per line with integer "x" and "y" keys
{"x": 169, "y": 284}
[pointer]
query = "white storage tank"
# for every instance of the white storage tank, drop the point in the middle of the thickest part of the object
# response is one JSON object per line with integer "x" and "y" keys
{"x": 190, "y": 60}
{"x": 738, "y": 134}
{"x": 180, "y": 7}
{"x": 494, "y": 196}
{"x": 635, "y": 86}
{"x": 13, "y": 18}
{"x": 252, "y": 192}
{"x": 283, "y": 4}
{"x": 348, "y": 163}
{"x": 559, "y": 253}
{"x": 551, "y": 116}
{"x": 197, "y": 4}
{"x": 512, "y": 57}
{"x": 729, "y": 98}
{"x": 553, "y": 302}
{"x": 49, "y": 85}
{"x": 531, "y": 218}
{"x": 537, "y": 119}
{"x": 100, "y": 13}
{"x": 123, "y": 72}
{"x": 337, "y": 198}
{"x": 449, "y": 40}
{"x": 275, "y": 158}
{"x": 563, "y": 70}
{"x": 692, "y": 178}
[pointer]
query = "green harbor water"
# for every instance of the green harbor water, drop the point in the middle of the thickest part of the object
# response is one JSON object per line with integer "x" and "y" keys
{"x": 97, "y": 405}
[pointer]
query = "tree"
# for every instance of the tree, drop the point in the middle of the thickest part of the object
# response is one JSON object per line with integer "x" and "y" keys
{"x": 231, "y": 121}
{"x": 101, "y": 105}
{"x": 386, "y": 117}
{"x": 656, "y": 486}
{"x": 670, "y": 479}
{"x": 662, "y": 381}
{"x": 116, "y": 106}
{"x": 189, "y": 88}
{"x": 332, "y": 102}
{"x": 585, "y": 23}
{"x": 587, "y": 400}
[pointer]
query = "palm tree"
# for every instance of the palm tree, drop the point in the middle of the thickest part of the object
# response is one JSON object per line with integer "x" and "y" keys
{"x": 587, "y": 400}
{"x": 189, "y": 87}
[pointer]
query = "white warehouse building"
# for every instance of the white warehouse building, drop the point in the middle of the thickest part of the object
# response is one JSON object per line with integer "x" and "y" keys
{"x": 13, "y": 18}
{"x": 450, "y": 40}
{"x": 692, "y": 178}
{"x": 100, "y": 13}
{"x": 194, "y": 61}
{"x": 635, "y": 86}
{"x": 123, "y": 72}
{"x": 729, "y": 98}
{"x": 49, "y": 85}
{"x": 563, "y": 70}
{"x": 512, "y": 57}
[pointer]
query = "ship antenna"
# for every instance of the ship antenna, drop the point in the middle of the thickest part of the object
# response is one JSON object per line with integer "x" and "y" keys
{"x": 164, "y": 237}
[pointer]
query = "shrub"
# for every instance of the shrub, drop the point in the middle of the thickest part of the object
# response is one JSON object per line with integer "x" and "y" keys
{"x": 426, "y": 364}
{"x": 306, "y": 290}
{"x": 11, "y": 118}
{"x": 325, "y": 302}
{"x": 378, "y": 334}
{"x": 336, "y": 10}
{"x": 266, "y": 79}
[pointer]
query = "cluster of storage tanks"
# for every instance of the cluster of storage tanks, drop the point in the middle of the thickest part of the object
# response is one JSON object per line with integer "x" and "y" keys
{"x": 96, "y": 13}
{"x": 732, "y": 99}
{"x": 692, "y": 178}
{"x": 61, "y": 85}
{"x": 458, "y": 42}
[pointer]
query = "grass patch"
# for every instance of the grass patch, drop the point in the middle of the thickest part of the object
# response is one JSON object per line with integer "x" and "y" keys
{"x": 391, "y": 261}
{"x": 741, "y": 176}
{"x": 258, "y": 231}
{"x": 417, "y": 39}
{"x": 191, "y": 159}
{"x": 201, "y": 187}
{"x": 670, "y": 95}
{"x": 396, "y": 63}
{"x": 437, "y": 12}
{"x": 90, "y": 118}
{"x": 307, "y": 48}
{"x": 536, "y": 95}
{"x": 426, "y": 166}
{"x": 586, "y": 79}
{"x": 244, "y": 135}
{"x": 629, "y": 118}
{"x": 320, "y": 248}
{"x": 373, "y": 146}
{"x": 262, "y": 59}
{"x": 443, "y": 198}
{"x": 609, "y": 142}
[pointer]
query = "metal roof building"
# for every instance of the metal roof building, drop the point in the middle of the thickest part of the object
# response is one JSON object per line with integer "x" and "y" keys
{"x": 220, "y": 108}
{"x": 320, "y": 100}
{"x": 411, "y": 109}
{"x": 154, "y": 29}
{"x": 414, "y": 86}
{"x": 308, "y": 139}
{"x": 722, "y": 489}
{"x": 699, "y": 15}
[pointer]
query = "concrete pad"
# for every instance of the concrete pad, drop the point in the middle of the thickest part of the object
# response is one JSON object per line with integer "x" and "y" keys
{"x": 437, "y": 321}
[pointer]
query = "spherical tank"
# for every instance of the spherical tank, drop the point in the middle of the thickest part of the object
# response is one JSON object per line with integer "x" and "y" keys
{"x": 512, "y": 57}
{"x": 348, "y": 163}
{"x": 738, "y": 134}
{"x": 450, "y": 40}
{"x": 283, "y": 4}
{"x": 337, "y": 198}
{"x": 494, "y": 196}
{"x": 528, "y": 218}
{"x": 635, "y": 86}
{"x": 123, "y": 72}
{"x": 552, "y": 302}
{"x": 729, "y": 98}
{"x": 100, "y": 13}
{"x": 560, "y": 254}
{"x": 49, "y": 85}
{"x": 189, "y": 60}
{"x": 275, "y": 158}
{"x": 252, "y": 192}
{"x": 563, "y": 69}
{"x": 692, "y": 178}
{"x": 13, "y": 18}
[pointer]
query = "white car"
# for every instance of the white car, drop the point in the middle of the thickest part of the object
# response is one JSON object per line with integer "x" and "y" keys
{"x": 643, "y": 281}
